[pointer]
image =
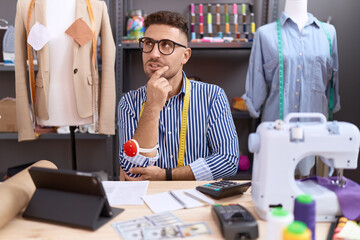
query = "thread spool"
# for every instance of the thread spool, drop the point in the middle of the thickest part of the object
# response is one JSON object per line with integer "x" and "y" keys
{"x": 244, "y": 163}
{"x": 296, "y": 231}
{"x": 277, "y": 220}
{"x": 304, "y": 211}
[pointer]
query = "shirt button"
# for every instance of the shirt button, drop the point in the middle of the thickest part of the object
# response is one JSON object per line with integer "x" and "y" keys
{"x": 300, "y": 53}
{"x": 75, "y": 70}
{"x": 298, "y": 80}
{"x": 299, "y": 66}
{"x": 169, "y": 132}
{"x": 296, "y": 106}
{"x": 171, "y": 156}
{"x": 168, "y": 108}
{"x": 297, "y": 93}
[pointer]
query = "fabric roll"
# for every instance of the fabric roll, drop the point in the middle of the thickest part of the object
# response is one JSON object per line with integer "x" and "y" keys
{"x": 16, "y": 192}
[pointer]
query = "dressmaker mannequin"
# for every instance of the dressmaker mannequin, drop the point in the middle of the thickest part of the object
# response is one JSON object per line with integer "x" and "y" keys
{"x": 62, "y": 106}
{"x": 309, "y": 82}
{"x": 297, "y": 10}
{"x": 67, "y": 88}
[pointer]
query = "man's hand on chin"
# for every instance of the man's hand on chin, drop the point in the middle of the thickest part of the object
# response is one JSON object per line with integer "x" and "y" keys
{"x": 151, "y": 173}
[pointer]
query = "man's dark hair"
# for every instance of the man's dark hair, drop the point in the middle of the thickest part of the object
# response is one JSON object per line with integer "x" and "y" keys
{"x": 173, "y": 19}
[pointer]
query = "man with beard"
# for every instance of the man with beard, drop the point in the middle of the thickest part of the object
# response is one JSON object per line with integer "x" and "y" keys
{"x": 183, "y": 129}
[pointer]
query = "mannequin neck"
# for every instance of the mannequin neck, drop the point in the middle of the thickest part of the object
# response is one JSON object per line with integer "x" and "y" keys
{"x": 297, "y": 11}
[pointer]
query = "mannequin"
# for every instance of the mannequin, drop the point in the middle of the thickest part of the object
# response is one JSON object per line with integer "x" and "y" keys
{"x": 67, "y": 81}
{"x": 310, "y": 69}
{"x": 297, "y": 10}
{"x": 62, "y": 106}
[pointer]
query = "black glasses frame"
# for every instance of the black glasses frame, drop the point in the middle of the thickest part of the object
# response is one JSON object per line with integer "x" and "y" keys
{"x": 141, "y": 40}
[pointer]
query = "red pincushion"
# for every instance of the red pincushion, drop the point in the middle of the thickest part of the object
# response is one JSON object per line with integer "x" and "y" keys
{"x": 130, "y": 148}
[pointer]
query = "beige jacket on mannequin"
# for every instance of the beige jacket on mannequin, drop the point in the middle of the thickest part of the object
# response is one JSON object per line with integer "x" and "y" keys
{"x": 84, "y": 78}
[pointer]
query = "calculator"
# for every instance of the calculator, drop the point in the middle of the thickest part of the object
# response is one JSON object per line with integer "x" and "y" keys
{"x": 235, "y": 221}
{"x": 223, "y": 188}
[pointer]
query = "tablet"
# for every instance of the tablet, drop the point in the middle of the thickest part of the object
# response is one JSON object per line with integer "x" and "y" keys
{"x": 70, "y": 181}
{"x": 70, "y": 198}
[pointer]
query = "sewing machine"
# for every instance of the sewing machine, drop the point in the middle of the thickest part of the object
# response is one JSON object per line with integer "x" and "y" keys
{"x": 279, "y": 146}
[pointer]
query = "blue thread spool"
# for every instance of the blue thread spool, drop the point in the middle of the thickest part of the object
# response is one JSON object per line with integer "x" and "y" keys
{"x": 304, "y": 211}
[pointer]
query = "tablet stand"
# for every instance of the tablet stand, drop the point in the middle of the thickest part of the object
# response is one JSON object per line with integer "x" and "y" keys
{"x": 69, "y": 208}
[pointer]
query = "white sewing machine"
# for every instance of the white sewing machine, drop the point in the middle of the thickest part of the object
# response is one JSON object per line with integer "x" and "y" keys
{"x": 279, "y": 146}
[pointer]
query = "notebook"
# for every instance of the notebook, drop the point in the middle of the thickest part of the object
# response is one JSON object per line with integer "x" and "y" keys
{"x": 176, "y": 199}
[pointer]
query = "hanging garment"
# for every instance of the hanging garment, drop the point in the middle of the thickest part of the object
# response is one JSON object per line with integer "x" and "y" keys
{"x": 308, "y": 67}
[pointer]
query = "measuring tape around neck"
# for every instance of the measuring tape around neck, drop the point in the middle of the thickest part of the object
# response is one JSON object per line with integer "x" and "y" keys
{"x": 30, "y": 49}
{"x": 281, "y": 70}
{"x": 184, "y": 119}
{"x": 331, "y": 100}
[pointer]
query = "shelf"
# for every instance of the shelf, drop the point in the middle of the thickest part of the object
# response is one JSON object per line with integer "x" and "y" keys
{"x": 7, "y": 68}
{"x": 240, "y": 115}
{"x": 11, "y": 68}
{"x": 56, "y": 136}
{"x": 241, "y": 175}
{"x": 212, "y": 46}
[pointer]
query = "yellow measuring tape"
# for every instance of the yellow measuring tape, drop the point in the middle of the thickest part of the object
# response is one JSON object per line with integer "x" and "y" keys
{"x": 184, "y": 119}
{"x": 93, "y": 26}
{"x": 31, "y": 58}
{"x": 30, "y": 49}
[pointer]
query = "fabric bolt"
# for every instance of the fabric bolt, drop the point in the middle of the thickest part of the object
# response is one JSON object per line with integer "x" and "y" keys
{"x": 348, "y": 196}
{"x": 211, "y": 149}
{"x": 307, "y": 69}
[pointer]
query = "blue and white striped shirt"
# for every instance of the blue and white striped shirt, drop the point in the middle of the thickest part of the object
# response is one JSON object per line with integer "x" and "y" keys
{"x": 211, "y": 149}
{"x": 307, "y": 69}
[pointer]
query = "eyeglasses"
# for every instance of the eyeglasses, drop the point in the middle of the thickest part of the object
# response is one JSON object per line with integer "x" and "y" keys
{"x": 165, "y": 46}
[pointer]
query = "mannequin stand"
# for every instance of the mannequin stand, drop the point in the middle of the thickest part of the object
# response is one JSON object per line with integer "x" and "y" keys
{"x": 73, "y": 147}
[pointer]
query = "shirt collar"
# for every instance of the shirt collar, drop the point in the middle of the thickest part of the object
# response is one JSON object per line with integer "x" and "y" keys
{"x": 183, "y": 88}
{"x": 312, "y": 20}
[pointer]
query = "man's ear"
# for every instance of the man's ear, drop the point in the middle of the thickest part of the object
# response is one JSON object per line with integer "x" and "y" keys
{"x": 186, "y": 56}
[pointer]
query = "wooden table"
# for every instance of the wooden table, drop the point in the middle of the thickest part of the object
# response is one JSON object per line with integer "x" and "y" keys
{"x": 19, "y": 228}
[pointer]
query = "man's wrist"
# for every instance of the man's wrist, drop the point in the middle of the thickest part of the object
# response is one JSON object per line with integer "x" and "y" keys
{"x": 168, "y": 174}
